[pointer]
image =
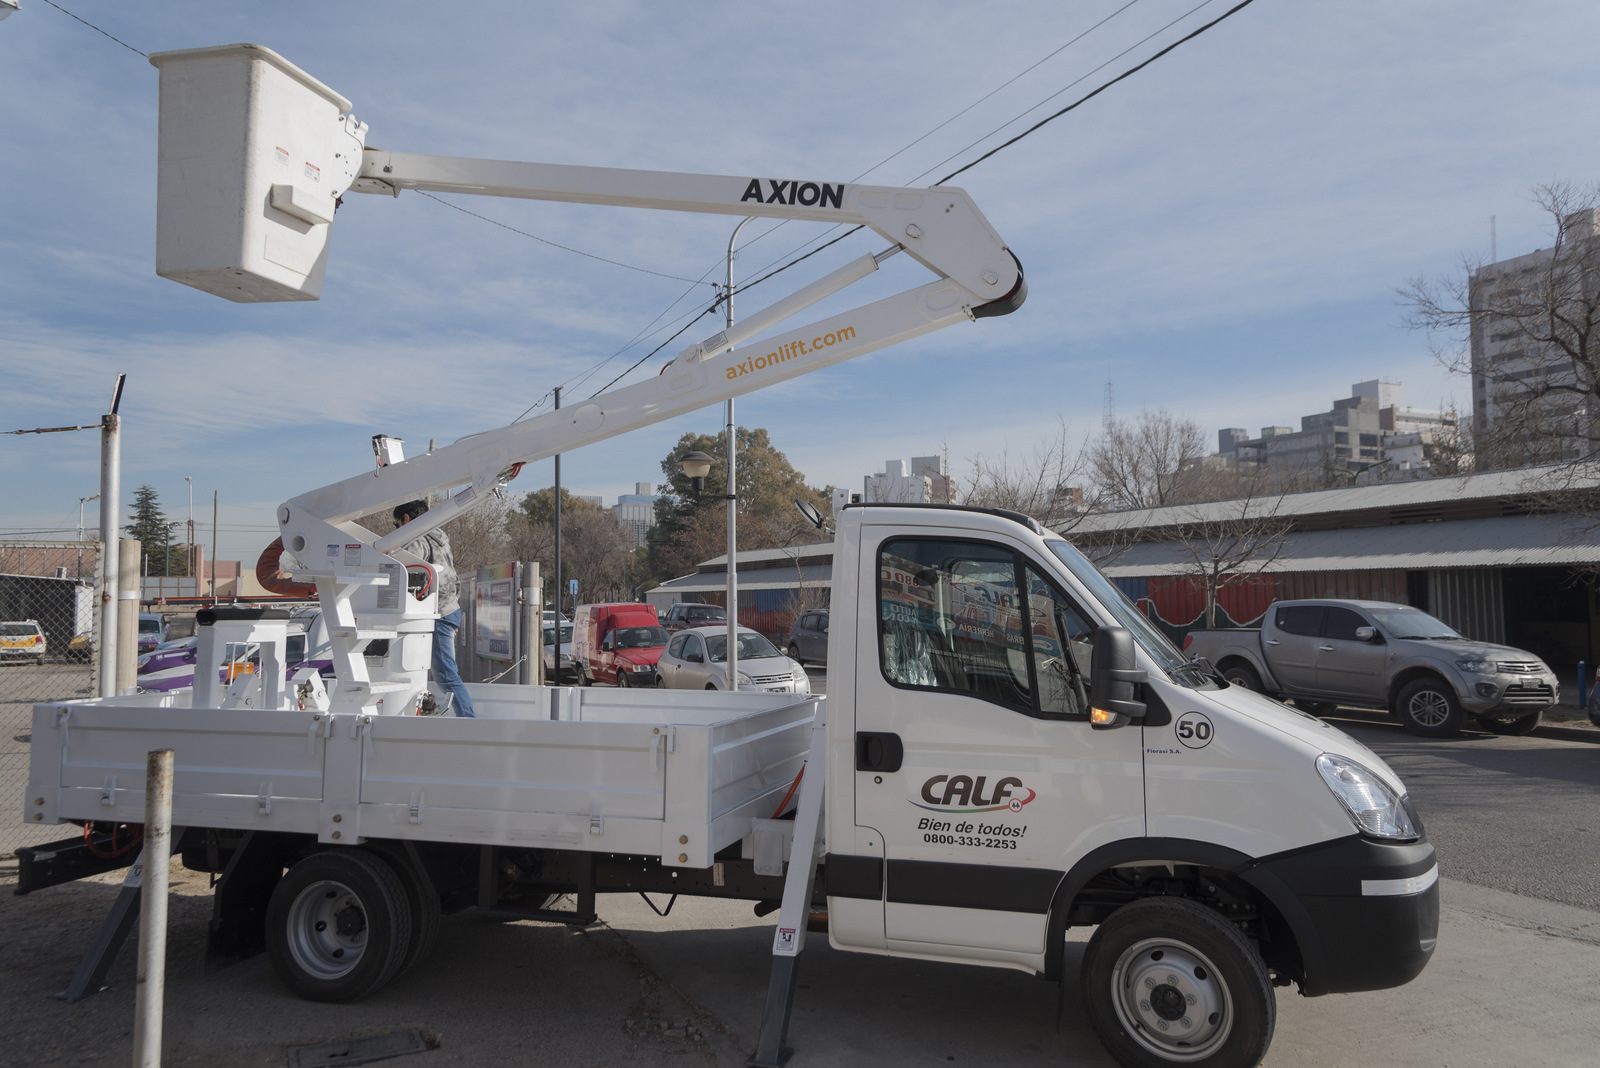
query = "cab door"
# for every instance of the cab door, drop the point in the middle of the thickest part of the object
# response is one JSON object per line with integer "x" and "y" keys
{"x": 1346, "y": 665}
{"x": 975, "y": 759}
{"x": 1291, "y": 646}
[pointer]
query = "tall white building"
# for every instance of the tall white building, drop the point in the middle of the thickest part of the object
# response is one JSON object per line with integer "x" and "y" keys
{"x": 636, "y": 512}
{"x": 924, "y": 481}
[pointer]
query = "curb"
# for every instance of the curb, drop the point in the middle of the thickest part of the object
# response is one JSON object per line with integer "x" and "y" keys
{"x": 1544, "y": 730}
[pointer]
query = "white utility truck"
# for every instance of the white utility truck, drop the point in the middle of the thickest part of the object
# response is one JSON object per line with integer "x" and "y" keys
{"x": 1008, "y": 748}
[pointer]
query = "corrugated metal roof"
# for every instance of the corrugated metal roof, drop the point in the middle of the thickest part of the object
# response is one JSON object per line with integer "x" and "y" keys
{"x": 785, "y": 578}
{"x": 1382, "y": 495}
{"x": 822, "y": 550}
{"x": 1523, "y": 540}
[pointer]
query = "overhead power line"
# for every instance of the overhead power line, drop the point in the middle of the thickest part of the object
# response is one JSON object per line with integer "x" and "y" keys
{"x": 95, "y": 28}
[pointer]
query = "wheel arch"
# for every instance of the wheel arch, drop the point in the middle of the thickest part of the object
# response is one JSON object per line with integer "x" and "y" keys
{"x": 1407, "y": 675}
{"x": 1301, "y": 959}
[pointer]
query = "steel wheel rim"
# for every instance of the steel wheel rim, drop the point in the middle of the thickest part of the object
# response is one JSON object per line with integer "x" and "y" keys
{"x": 1170, "y": 999}
{"x": 1429, "y": 708}
{"x": 315, "y": 939}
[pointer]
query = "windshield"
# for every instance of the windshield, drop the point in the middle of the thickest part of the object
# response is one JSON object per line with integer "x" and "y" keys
{"x": 710, "y": 611}
{"x": 18, "y": 628}
{"x": 1411, "y": 623}
{"x": 550, "y": 635}
{"x": 1114, "y": 601}
{"x": 751, "y": 647}
{"x": 149, "y": 626}
{"x": 639, "y": 637}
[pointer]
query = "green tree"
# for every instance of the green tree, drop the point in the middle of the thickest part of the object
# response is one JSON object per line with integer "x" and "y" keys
{"x": 156, "y": 534}
{"x": 689, "y": 530}
{"x": 540, "y": 505}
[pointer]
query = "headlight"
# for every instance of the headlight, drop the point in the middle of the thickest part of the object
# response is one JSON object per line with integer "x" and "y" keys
{"x": 1477, "y": 667}
{"x": 745, "y": 680}
{"x": 1369, "y": 800}
{"x": 642, "y": 667}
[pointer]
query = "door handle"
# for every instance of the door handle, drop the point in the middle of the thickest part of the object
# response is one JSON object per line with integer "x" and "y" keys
{"x": 879, "y": 751}
{"x": 1325, "y": 648}
{"x": 1272, "y": 641}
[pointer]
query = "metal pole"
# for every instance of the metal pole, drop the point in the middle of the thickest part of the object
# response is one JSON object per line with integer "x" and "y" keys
{"x": 733, "y": 503}
{"x": 151, "y": 980}
{"x": 127, "y": 615}
{"x": 213, "y": 590}
{"x": 558, "y": 531}
{"x": 110, "y": 494}
{"x": 188, "y": 564}
{"x": 533, "y": 625}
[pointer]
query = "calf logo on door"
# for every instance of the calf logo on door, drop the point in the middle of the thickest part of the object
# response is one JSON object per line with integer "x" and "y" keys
{"x": 965, "y": 794}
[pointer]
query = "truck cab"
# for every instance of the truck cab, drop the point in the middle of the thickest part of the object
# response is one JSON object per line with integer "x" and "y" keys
{"x": 616, "y": 643}
{"x": 979, "y": 809}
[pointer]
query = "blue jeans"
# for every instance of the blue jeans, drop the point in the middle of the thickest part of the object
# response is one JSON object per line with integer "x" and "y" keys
{"x": 444, "y": 663}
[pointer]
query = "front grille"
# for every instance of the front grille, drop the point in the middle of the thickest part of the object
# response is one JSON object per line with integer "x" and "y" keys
{"x": 769, "y": 680}
{"x": 1519, "y": 667}
{"x": 1535, "y": 694}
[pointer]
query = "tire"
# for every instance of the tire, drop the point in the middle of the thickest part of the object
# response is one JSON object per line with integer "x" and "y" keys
{"x": 1428, "y": 708}
{"x": 1243, "y": 675}
{"x": 1523, "y": 724}
{"x": 425, "y": 911}
{"x": 661, "y": 682}
{"x": 794, "y": 654}
{"x": 1156, "y": 963}
{"x": 338, "y": 926}
{"x": 710, "y": 687}
{"x": 584, "y": 679}
{"x": 622, "y": 680}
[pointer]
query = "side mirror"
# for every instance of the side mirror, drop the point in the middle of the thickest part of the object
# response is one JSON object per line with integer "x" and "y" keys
{"x": 693, "y": 658}
{"x": 1113, "y": 680}
{"x": 606, "y": 642}
{"x": 1366, "y": 634}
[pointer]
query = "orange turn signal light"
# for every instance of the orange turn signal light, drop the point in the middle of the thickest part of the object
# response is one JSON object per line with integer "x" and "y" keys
{"x": 1101, "y": 716}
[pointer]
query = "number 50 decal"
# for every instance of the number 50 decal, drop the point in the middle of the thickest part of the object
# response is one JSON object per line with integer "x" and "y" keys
{"x": 1194, "y": 730}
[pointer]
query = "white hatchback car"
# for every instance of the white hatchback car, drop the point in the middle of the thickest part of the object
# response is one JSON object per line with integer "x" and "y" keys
{"x": 697, "y": 659}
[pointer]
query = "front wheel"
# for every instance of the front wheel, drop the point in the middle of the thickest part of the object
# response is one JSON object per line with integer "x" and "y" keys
{"x": 794, "y": 654}
{"x": 1243, "y": 675}
{"x": 1428, "y": 708}
{"x": 1167, "y": 981}
{"x": 338, "y": 926}
{"x": 1521, "y": 725}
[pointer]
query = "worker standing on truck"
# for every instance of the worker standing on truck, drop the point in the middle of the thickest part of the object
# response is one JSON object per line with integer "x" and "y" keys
{"x": 434, "y": 547}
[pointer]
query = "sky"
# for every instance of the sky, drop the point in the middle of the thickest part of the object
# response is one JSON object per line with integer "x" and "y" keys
{"x": 1221, "y": 235}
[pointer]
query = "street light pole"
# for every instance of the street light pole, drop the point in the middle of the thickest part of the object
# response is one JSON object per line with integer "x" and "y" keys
{"x": 188, "y": 560}
{"x": 733, "y": 503}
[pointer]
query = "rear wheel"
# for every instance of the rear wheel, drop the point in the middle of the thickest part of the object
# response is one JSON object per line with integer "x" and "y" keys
{"x": 424, "y": 905}
{"x": 338, "y": 926}
{"x": 1242, "y": 675}
{"x": 1520, "y": 725}
{"x": 1428, "y": 708}
{"x": 1167, "y": 981}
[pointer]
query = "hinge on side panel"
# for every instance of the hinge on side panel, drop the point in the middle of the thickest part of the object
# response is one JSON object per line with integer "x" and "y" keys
{"x": 416, "y": 806}
{"x": 264, "y": 800}
{"x": 108, "y": 792}
{"x": 63, "y": 717}
{"x": 311, "y": 735}
{"x": 672, "y": 739}
{"x": 597, "y": 818}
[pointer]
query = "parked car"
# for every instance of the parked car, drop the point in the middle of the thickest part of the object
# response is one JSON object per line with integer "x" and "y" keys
{"x": 697, "y": 659}
{"x": 616, "y": 643}
{"x": 687, "y": 614}
{"x": 808, "y": 638}
{"x": 557, "y": 654}
{"x": 1376, "y": 654}
{"x": 22, "y": 640}
{"x": 152, "y": 630}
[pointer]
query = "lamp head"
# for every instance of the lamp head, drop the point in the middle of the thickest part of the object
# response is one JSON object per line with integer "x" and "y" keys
{"x": 696, "y": 466}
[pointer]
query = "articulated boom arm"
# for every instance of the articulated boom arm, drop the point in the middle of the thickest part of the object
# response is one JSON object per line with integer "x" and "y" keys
{"x": 254, "y": 156}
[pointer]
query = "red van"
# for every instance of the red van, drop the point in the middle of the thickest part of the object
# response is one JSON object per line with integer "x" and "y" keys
{"x": 617, "y": 643}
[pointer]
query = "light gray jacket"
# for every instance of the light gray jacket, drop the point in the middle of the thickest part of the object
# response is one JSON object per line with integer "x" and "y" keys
{"x": 434, "y": 547}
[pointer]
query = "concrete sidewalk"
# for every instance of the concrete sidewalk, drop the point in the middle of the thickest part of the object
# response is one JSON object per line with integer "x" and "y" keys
{"x": 1513, "y": 982}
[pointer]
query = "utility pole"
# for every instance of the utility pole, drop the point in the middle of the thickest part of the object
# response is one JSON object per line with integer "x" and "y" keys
{"x": 559, "y": 590}
{"x": 188, "y": 560}
{"x": 733, "y": 503}
{"x": 213, "y": 588}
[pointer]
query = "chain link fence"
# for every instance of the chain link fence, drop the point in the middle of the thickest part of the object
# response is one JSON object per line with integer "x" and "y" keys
{"x": 49, "y": 642}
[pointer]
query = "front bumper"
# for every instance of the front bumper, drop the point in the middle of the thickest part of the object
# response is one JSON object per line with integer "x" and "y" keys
{"x": 1364, "y": 913}
{"x": 1508, "y": 694}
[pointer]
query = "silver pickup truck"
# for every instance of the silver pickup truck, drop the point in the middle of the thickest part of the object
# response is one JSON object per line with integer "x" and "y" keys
{"x": 1322, "y": 654}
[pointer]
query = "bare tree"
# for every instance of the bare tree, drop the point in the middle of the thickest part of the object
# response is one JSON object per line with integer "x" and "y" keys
{"x": 1046, "y": 483}
{"x": 1142, "y": 463}
{"x": 1527, "y": 331}
{"x": 1230, "y": 540}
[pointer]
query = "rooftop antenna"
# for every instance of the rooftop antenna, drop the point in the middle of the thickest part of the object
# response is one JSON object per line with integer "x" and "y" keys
{"x": 1110, "y": 414}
